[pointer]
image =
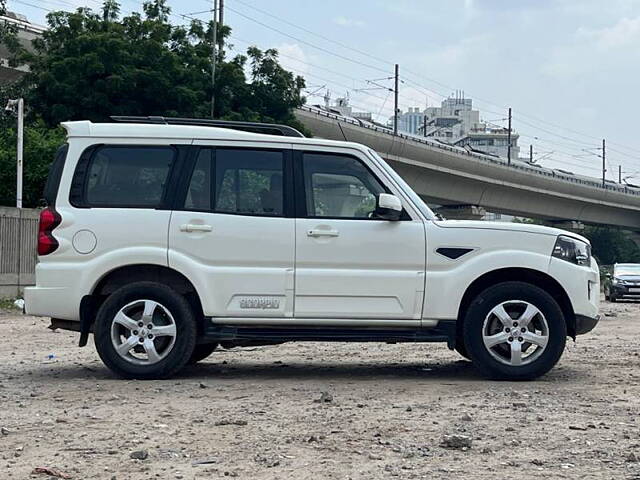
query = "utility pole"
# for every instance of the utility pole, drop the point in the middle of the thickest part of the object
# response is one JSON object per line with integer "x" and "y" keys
{"x": 395, "y": 102}
{"x": 530, "y": 153}
{"x": 619, "y": 173}
{"x": 509, "y": 140}
{"x": 604, "y": 168}
{"x": 221, "y": 22}
{"x": 424, "y": 125}
{"x": 214, "y": 42}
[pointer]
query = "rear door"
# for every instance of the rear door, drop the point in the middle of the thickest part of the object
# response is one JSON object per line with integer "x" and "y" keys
{"x": 349, "y": 265}
{"x": 232, "y": 231}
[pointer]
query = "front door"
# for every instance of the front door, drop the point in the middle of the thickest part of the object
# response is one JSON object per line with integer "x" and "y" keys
{"x": 230, "y": 235}
{"x": 349, "y": 265}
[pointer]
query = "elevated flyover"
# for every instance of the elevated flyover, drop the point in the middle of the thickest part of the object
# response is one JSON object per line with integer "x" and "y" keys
{"x": 448, "y": 175}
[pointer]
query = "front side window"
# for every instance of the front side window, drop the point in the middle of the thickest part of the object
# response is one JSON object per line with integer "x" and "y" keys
{"x": 339, "y": 186}
{"x": 237, "y": 181}
{"x": 128, "y": 176}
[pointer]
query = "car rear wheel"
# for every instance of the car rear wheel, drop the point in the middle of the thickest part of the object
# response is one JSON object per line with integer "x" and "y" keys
{"x": 145, "y": 330}
{"x": 514, "y": 331}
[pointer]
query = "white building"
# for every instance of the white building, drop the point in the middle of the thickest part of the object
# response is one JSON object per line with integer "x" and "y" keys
{"x": 457, "y": 123}
{"x": 27, "y": 32}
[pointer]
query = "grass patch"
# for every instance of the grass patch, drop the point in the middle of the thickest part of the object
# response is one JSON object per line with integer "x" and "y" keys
{"x": 7, "y": 304}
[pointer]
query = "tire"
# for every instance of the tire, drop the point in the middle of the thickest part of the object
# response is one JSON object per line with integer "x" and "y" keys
{"x": 462, "y": 350}
{"x": 532, "y": 314}
{"x": 202, "y": 351}
{"x": 145, "y": 353}
{"x": 612, "y": 299}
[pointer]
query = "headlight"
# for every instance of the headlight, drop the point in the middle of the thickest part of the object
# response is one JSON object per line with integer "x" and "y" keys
{"x": 572, "y": 250}
{"x": 614, "y": 280}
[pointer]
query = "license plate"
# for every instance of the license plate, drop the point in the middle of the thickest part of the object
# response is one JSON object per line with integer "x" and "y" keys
{"x": 634, "y": 290}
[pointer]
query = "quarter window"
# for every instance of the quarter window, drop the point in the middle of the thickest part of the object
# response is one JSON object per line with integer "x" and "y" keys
{"x": 128, "y": 176}
{"x": 338, "y": 186}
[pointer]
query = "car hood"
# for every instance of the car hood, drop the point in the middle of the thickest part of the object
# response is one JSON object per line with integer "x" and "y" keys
{"x": 631, "y": 278}
{"x": 509, "y": 226}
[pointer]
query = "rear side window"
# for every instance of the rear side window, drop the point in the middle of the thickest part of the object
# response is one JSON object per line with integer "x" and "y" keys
{"x": 237, "y": 181}
{"x": 55, "y": 173}
{"x": 128, "y": 176}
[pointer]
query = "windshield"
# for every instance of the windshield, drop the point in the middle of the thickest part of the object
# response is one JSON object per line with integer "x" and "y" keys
{"x": 622, "y": 270}
{"x": 419, "y": 203}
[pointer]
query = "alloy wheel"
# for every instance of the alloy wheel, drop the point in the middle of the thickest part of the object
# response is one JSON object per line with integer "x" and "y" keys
{"x": 515, "y": 332}
{"x": 143, "y": 332}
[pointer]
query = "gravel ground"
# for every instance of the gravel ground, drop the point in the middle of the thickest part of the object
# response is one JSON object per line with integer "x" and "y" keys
{"x": 406, "y": 411}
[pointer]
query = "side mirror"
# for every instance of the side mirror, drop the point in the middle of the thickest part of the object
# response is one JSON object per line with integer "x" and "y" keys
{"x": 388, "y": 207}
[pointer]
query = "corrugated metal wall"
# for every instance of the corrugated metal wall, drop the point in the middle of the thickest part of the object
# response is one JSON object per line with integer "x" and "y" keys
{"x": 18, "y": 240}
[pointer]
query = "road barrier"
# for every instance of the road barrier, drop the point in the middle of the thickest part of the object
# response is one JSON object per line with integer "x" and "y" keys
{"x": 18, "y": 240}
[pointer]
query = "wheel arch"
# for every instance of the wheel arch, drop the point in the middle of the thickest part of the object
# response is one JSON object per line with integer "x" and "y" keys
{"x": 534, "y": 277}
{"x": 124, "y": 275}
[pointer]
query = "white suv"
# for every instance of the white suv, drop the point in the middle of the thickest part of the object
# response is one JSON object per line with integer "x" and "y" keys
{"x": 169, "y": 240}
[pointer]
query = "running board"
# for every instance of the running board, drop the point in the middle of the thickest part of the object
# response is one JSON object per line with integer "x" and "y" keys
{"x": 444, "y": 332}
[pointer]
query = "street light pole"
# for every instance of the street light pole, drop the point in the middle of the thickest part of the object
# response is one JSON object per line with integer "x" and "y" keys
{"x": 20, "y": 150}
{"x": 17, "y": 107}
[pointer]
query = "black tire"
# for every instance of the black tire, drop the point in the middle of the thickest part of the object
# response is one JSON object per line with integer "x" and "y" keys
{"x": 612, "y": 299}
{"x": 185, "y": 331}
{"x": 202, "y": 351}
{"x": 462, "y": 350}
{"x": 493, "y": 296}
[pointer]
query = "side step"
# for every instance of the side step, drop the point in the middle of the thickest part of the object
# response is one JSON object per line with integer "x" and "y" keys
{"x": 444, "y": 332}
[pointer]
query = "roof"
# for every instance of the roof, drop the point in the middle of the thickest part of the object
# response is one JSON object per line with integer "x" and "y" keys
{"x": 85, "y": 128}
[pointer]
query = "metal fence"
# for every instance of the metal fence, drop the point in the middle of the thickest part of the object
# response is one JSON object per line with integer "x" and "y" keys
{"x": 18, "y": 239}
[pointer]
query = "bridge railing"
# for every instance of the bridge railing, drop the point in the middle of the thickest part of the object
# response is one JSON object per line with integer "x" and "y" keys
{"x": 595, "y": 183}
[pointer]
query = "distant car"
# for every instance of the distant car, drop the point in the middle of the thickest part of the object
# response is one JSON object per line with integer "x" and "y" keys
{"x": 623, "y": 282}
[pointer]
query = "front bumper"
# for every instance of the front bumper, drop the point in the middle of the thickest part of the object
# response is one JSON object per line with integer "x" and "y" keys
{"x": 620, "y": 291}
{"x": 584, "y": 323}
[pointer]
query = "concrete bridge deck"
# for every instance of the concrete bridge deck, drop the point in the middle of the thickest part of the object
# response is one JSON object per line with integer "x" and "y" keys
{"x": 451, "y": 176}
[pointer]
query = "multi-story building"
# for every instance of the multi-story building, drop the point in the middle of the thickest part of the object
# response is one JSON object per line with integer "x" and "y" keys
{"x": 27, "y": 32}
{"x": 456, "y": 122}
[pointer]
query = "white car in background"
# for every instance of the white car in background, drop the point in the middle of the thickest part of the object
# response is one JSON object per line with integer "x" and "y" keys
{"x": 169, "y": 238}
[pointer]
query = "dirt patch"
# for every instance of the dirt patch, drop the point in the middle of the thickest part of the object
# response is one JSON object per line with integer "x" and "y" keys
{"x": 320, "y": 410}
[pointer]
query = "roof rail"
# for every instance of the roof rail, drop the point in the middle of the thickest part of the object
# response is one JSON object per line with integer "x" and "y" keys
{"x": 255, "y": 127}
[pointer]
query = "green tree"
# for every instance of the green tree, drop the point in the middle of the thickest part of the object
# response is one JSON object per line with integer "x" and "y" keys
{"x": 611, "y": 245}
{"x": 92, "y": 65}
{"x": 40, "y": 145}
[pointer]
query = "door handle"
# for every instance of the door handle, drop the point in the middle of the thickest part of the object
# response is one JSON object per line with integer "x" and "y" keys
{"x": 195, "y": 227}
{"x": 322, "y": 233}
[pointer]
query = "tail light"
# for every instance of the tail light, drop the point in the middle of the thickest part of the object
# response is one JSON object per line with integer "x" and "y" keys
{"x": 49, "y": 219}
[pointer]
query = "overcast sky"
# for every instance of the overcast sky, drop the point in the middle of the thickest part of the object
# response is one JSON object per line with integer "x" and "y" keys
{"x": 568, "y": 68}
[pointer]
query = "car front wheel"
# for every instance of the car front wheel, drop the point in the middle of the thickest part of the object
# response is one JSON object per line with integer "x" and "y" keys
{"x": 145, "y": 330}
{"x": 514, "y": 331}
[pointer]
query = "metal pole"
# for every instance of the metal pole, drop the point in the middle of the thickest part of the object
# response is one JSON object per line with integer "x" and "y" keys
{"x": 425, "y": 125}
{"x": 509, "y": 140}
{"x": 604, "y": 168}
{"x": 221, "y": 22}
{"x": 20, "y": 152}
{"x": 213, "y": 57}
{"x": 619, "y": 173}
{"x": 530, "y": 153}
{"x": 395, "y": 103}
